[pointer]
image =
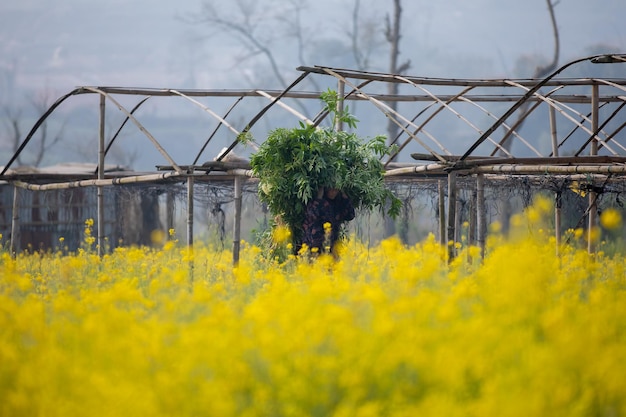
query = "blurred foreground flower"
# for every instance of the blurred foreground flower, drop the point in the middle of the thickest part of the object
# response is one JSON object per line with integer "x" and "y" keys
{"x": 611, "y": 219}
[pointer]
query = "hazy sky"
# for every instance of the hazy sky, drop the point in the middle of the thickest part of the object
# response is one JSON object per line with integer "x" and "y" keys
{"x": 60, "y": 44}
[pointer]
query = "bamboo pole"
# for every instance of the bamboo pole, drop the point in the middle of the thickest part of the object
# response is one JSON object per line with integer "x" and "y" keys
{"x": 481, "y": 218}
{"x": 15, "y": 223}
{"x": 190, "y": 183}
{"x": 458, "y": 227}
{"x": 558, "y": 201}
{"x": 314, "y": 95}
{"x": 550, "y": 169}
{"x": 134, "y": 179}
{"x": 593, "y": 151}
{"x": 442, "y": 212}
{"x": 385, "y": 77}
{"x": 473, "y": 218}
{"x": 237, "y": 220}
{"x": 190, "y": 211}
{"x": 451, "y": 215}
{"x": 169, "y": 211}
{"x": 522, "y": 169}
{"x": 100, "y": 189}
{"x": 474, "y": 161}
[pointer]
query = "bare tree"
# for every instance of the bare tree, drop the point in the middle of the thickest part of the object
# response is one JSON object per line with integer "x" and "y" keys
{"x": 364, "y": 35}
{"x": 44, "y": 140}
{"x": 257, "y": 30}
{"x": 270, "y": 29}
{"x": 12, "y": 126}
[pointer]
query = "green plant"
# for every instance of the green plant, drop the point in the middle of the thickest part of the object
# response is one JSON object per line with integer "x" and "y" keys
{"x": 292, "y": 164}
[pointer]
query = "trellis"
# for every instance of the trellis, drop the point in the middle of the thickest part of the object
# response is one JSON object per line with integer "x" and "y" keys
{"x": 597, "y": 160}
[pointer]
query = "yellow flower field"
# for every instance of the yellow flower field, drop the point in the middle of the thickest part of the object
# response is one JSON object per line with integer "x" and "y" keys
{"x": 385, "y": 331}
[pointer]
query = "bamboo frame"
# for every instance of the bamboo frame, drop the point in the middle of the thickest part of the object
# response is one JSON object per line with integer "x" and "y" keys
{"x": 444, "y": 164}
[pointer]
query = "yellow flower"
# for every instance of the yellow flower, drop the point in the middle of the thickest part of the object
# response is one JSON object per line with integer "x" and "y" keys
{"x": 281, "y": 234}
{"x": 611, "y": 219}
{"x": 205, "y": 335}
{"x": 157, "y": 236}
{"x": 578, "y": 233}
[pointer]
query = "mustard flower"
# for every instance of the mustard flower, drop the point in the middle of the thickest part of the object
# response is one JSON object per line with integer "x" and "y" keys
{"x": 611, "y": 219}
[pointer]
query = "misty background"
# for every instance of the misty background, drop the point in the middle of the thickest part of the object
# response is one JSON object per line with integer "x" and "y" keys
{"x": 50, "y": 47}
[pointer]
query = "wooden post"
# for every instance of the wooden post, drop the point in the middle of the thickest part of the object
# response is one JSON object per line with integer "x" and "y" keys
{"x": 190, "y": 211}
{"x": 100, "y": 188}
{"x": 557, "y": 204}
{"x": 451, "y": 215}
{"x": 481, "y": 215}
{"x": 190, "y": 183}
{"x": 473, "y": 218}
{"x": 593, "y": 209}
{"x": 458, "y": 226}
{"x": 15, "y": 223}
{"x": 442, "y": 212}
{"x": 169, "y": 211}
{"x": 237, "y": 220}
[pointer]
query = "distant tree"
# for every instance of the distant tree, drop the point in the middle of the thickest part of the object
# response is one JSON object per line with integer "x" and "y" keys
{"x": 44, "y": 139}
{"x": 365, "y": 37}
{"x": 283, "y": 34}
{"x": 260, "y": 28}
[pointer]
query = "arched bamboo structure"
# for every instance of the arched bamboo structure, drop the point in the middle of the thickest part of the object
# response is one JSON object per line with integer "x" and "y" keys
{"x": 589, "y": 108}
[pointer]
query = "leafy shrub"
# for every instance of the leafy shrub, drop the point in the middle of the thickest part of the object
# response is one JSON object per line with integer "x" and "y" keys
{"x": 292, "y": 164}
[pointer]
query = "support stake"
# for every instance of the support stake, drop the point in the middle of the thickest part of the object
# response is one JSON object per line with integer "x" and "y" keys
{"x": 237, "y": 220}
{"x": 593, "y": 197}
{"x": 190, "y": 227}
{"x": 481, "y": 218}
{"x": 15, "y": 223}
{"x": 100, "y": 189}
{"x": 442, "y": 212}
{"x": 451, "y": 215}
